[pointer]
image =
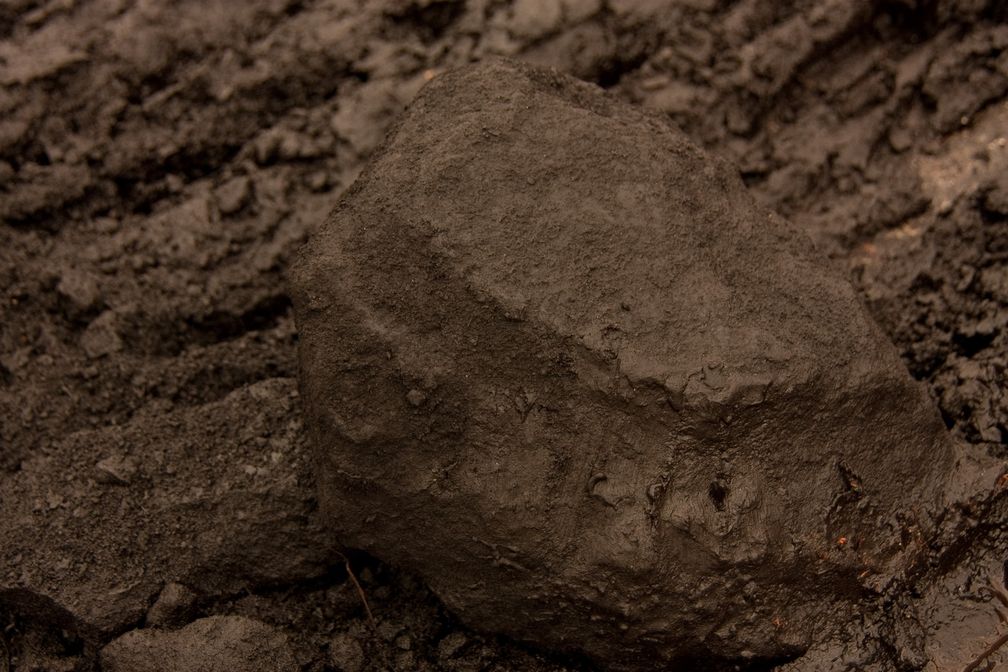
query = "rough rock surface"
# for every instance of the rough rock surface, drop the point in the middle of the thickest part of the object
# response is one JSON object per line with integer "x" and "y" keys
{"x": 556, "y": 360}
{"x": 214, "y": 644}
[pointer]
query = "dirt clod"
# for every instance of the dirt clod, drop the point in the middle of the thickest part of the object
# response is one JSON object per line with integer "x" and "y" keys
{"x": 214, "y": 644}
{"x": 174, "y": 607}
{"x": 346, "y": 654}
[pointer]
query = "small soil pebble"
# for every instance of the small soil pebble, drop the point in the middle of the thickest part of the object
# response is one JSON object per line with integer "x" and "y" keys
{"x": 451, "y": 644}
{"x": 116, "y": 469}
{"x": 80, "y": 290}
{"x": 233, "y": 195}
{"x": 346, "y": 653}
{"x": 101, "y": 337}
{"x": 174, "y": 606}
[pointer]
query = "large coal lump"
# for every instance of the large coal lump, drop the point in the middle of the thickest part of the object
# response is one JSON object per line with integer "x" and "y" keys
{"x": 558, "y": 362}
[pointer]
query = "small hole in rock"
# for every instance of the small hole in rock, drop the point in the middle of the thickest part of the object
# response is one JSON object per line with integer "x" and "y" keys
{"x": 718, "y": 493}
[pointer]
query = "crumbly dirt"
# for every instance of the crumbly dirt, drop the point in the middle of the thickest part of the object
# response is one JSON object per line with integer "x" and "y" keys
{"x": 161, "y": 162}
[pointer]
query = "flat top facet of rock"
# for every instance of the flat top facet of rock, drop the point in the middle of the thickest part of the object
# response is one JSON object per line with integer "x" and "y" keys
{"x": 557, "y": 361}
{"x": 607, "y": 225}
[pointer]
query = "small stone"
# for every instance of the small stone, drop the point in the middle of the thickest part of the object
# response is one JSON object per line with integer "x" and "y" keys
{"x": 738, "y": 120}
{"x": 988, "y": 326}
{"x": 576, "y": 11}
{"x": 264, "y": 148}
{"x": 451, "y": 644}
{"x": 80, "y": 289}
{"x": 990, "y": 432}
{"x": 994, "y": 281}
{"x": 106, "y": 225}
{"x": 405, "y": 662}
{"x": 416, "y": 397}
{"x": 536, "y": 18}
{"x": 900, "y": 139}
{"x": 362, "y": 116}
{"x": 290, "y": 146}
{"x": 995, "y": 198}
{"x": 233, "y": 195}
{"x": 54, "y": 499}
{"x": 404, "y": 642}
{"x": 117, "y": 470}
{"x": 282, "y": 144}
{"x": 174, "y": 606}
{"x": 389, "y": 630}
{"x": 318, "y": 181}
{"x": 346, "y": 653}
{"x": 101, "y": 337}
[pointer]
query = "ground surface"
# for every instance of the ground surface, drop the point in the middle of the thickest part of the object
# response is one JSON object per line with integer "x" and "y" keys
{"x": 160, "y": 162}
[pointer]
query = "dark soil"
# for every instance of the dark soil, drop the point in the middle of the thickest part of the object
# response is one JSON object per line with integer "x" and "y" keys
{"x": 161, "y": 162}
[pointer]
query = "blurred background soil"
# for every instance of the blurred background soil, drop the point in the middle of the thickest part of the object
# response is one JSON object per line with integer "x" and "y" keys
{"x": 161, "y": 161}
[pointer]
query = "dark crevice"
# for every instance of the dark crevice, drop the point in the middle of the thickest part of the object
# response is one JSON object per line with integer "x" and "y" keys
{"x": 997, "y": 10}
{"x": 140, "y": 185}
{"x": 916, "y": 19}
{"x": 969, "y": 345}
{"x": 209, "y": 385}
{"x": 224, "y": 326}
{"x": 950, "y": 422}
{"x": 294, "y": 8}
{"x": 165, "y": 335}
{"x": 141, "y": 189}
{"x": 718, "y": 493}
{"x": 429, "y": 20}
{"x": 611, "y": 71}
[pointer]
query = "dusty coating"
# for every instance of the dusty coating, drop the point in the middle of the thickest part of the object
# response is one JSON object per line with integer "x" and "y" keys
{"x": 557, "y": 361}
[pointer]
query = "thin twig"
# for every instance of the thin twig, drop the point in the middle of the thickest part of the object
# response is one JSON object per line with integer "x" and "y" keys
{"x": 998, "y": 593}
{"x": 998, "y": 643}
{"x": 360, "y": 591}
